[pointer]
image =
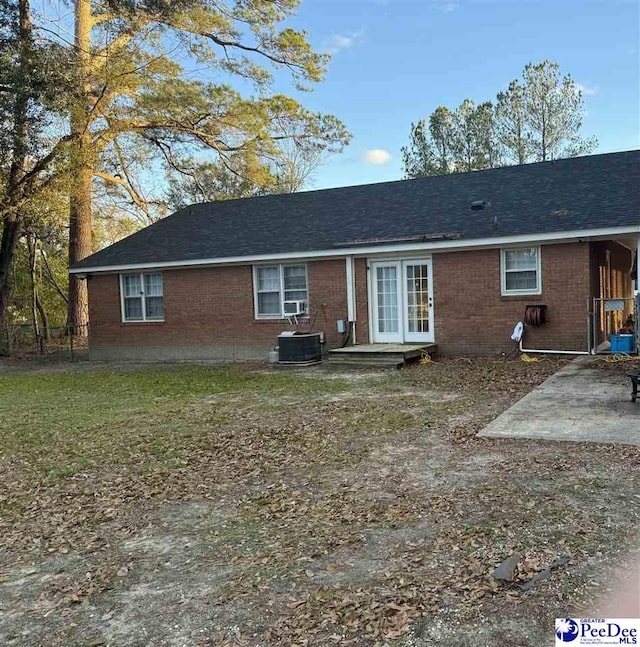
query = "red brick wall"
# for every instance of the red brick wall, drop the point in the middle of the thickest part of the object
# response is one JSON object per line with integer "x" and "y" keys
{"x": 472, "y": 317}
{"x": 209, "y": 313}
{"x": 362, "y": 298}
{"x": 328, "y": 297}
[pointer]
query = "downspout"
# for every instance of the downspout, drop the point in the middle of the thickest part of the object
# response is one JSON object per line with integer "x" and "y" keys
{"x": 351, "y": 297}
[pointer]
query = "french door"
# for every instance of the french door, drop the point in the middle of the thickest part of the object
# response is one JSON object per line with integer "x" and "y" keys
{"x": 402, "y": 301}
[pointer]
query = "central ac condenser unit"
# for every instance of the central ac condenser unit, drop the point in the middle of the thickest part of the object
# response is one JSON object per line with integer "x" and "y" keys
{"x": 299, "y": 348}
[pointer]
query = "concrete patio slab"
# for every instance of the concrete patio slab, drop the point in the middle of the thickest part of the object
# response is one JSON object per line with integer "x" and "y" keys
{"x": 579, "y": 403}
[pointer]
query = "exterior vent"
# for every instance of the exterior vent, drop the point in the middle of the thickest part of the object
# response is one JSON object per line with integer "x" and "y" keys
{"x": 476, "y": 205}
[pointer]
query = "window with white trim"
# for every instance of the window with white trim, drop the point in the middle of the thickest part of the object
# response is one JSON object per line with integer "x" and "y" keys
{"x": 275, "y": 284}
{"x": 520, "y": 270}
{"x": 142, "y": 297}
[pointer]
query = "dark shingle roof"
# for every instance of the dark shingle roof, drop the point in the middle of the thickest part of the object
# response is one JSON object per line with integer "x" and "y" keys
{"x": 571, "y": 194}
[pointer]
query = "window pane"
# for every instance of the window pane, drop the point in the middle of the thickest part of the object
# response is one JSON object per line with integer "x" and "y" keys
{"x": 155, "y": 308}
{"x": 521, "y": 259}
{"x": 133, "y": 308}
{"x": 268, "y": 279}
{"x": 295, "y": 295}
{"x": 295, "y": 277}
{"x": 153, "y": 285}
{"x": 269, "y": 303}
{"x": 521, "y": 281}
{"x": 132, "y": 285}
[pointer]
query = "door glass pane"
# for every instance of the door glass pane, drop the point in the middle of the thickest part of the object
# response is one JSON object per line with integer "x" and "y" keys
{"x": 417, "y": 277}
{"x": 387, "y": 287}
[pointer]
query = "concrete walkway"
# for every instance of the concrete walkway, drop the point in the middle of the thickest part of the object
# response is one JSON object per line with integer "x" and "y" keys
{"x": 578, "y": 403}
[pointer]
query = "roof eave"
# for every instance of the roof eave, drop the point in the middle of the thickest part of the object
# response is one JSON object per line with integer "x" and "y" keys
{"x": 359, "y": 250}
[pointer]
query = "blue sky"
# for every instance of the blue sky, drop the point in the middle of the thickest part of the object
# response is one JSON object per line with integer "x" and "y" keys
{"x": 395, "y": 62}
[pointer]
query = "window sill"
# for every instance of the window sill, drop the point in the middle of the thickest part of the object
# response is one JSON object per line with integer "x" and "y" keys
{"x": 142, "y": 323}
{"x": 520, "y": 297}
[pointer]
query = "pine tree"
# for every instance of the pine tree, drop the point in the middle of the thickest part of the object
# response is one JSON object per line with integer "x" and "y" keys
{"x": 137, "y": 99}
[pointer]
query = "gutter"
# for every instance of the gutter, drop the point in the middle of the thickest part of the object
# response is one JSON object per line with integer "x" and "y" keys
{"x": 377, "y": 250}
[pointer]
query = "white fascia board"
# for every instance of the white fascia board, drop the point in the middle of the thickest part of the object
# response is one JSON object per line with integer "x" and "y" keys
{"x": 374, "y": 250}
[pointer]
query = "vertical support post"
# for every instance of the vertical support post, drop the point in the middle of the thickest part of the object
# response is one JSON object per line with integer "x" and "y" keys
{"x": 638, "y": 264}
{"x": 636, "y": 300}
{"x": 589, "y": 325}
{"x": 351, "y": 296}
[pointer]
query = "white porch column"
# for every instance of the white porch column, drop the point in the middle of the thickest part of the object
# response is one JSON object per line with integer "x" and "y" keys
{"x": 351, "y": 296}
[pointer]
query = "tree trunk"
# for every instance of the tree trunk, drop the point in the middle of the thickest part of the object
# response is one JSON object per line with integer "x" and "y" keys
{"x": 80, "y": 221}
{"x": 10, "y": 229}
{"x": 31, "y": 248}
{"x": 44, "y": 319}
{"x": 522, "y": 157}
{"x": 13, "y": 191}
{"x": 79, "y": 248}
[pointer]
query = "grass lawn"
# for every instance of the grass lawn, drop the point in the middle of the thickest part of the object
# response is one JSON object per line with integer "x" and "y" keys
{"x": 237, "y": 505}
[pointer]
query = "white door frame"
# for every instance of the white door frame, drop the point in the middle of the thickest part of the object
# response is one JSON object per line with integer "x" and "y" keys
{"x": 403, "y": 335}
{"x": 409, "y": 337}
{"x": 378, "y": 337}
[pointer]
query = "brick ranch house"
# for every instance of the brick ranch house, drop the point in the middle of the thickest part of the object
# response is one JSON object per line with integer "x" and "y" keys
{"x": 452, "y": 260}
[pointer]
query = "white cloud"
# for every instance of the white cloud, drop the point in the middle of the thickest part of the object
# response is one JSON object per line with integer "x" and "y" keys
{"x": 586, "y": 91}
{"x": 377, "y": 156}
{"x": 447, "y": 6}
{"x": 338, "y": 42}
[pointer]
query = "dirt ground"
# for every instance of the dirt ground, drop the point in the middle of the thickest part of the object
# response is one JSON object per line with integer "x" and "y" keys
{"x": 236, "y": 505}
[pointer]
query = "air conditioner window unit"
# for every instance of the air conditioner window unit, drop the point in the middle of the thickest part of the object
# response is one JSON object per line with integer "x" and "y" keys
{"x": 294, "y": 308}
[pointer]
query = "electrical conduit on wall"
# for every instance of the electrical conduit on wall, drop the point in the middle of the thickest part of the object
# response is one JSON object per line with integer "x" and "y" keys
{"x": 535, "y": 316}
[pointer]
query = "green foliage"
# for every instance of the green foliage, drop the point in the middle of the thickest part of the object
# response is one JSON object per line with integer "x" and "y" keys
{"x": 460, "y": 140}
{"x": 554, "y": 108}
{"x": 38, "y": 69}
{"x": 43, "y": 245}
{"x": 148, "y": 88}
{"x": 243, "y": 175}
{"x": 145, "y": 108}
{"x": 536, "y": 119}
{"x": 32, "y": 153}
